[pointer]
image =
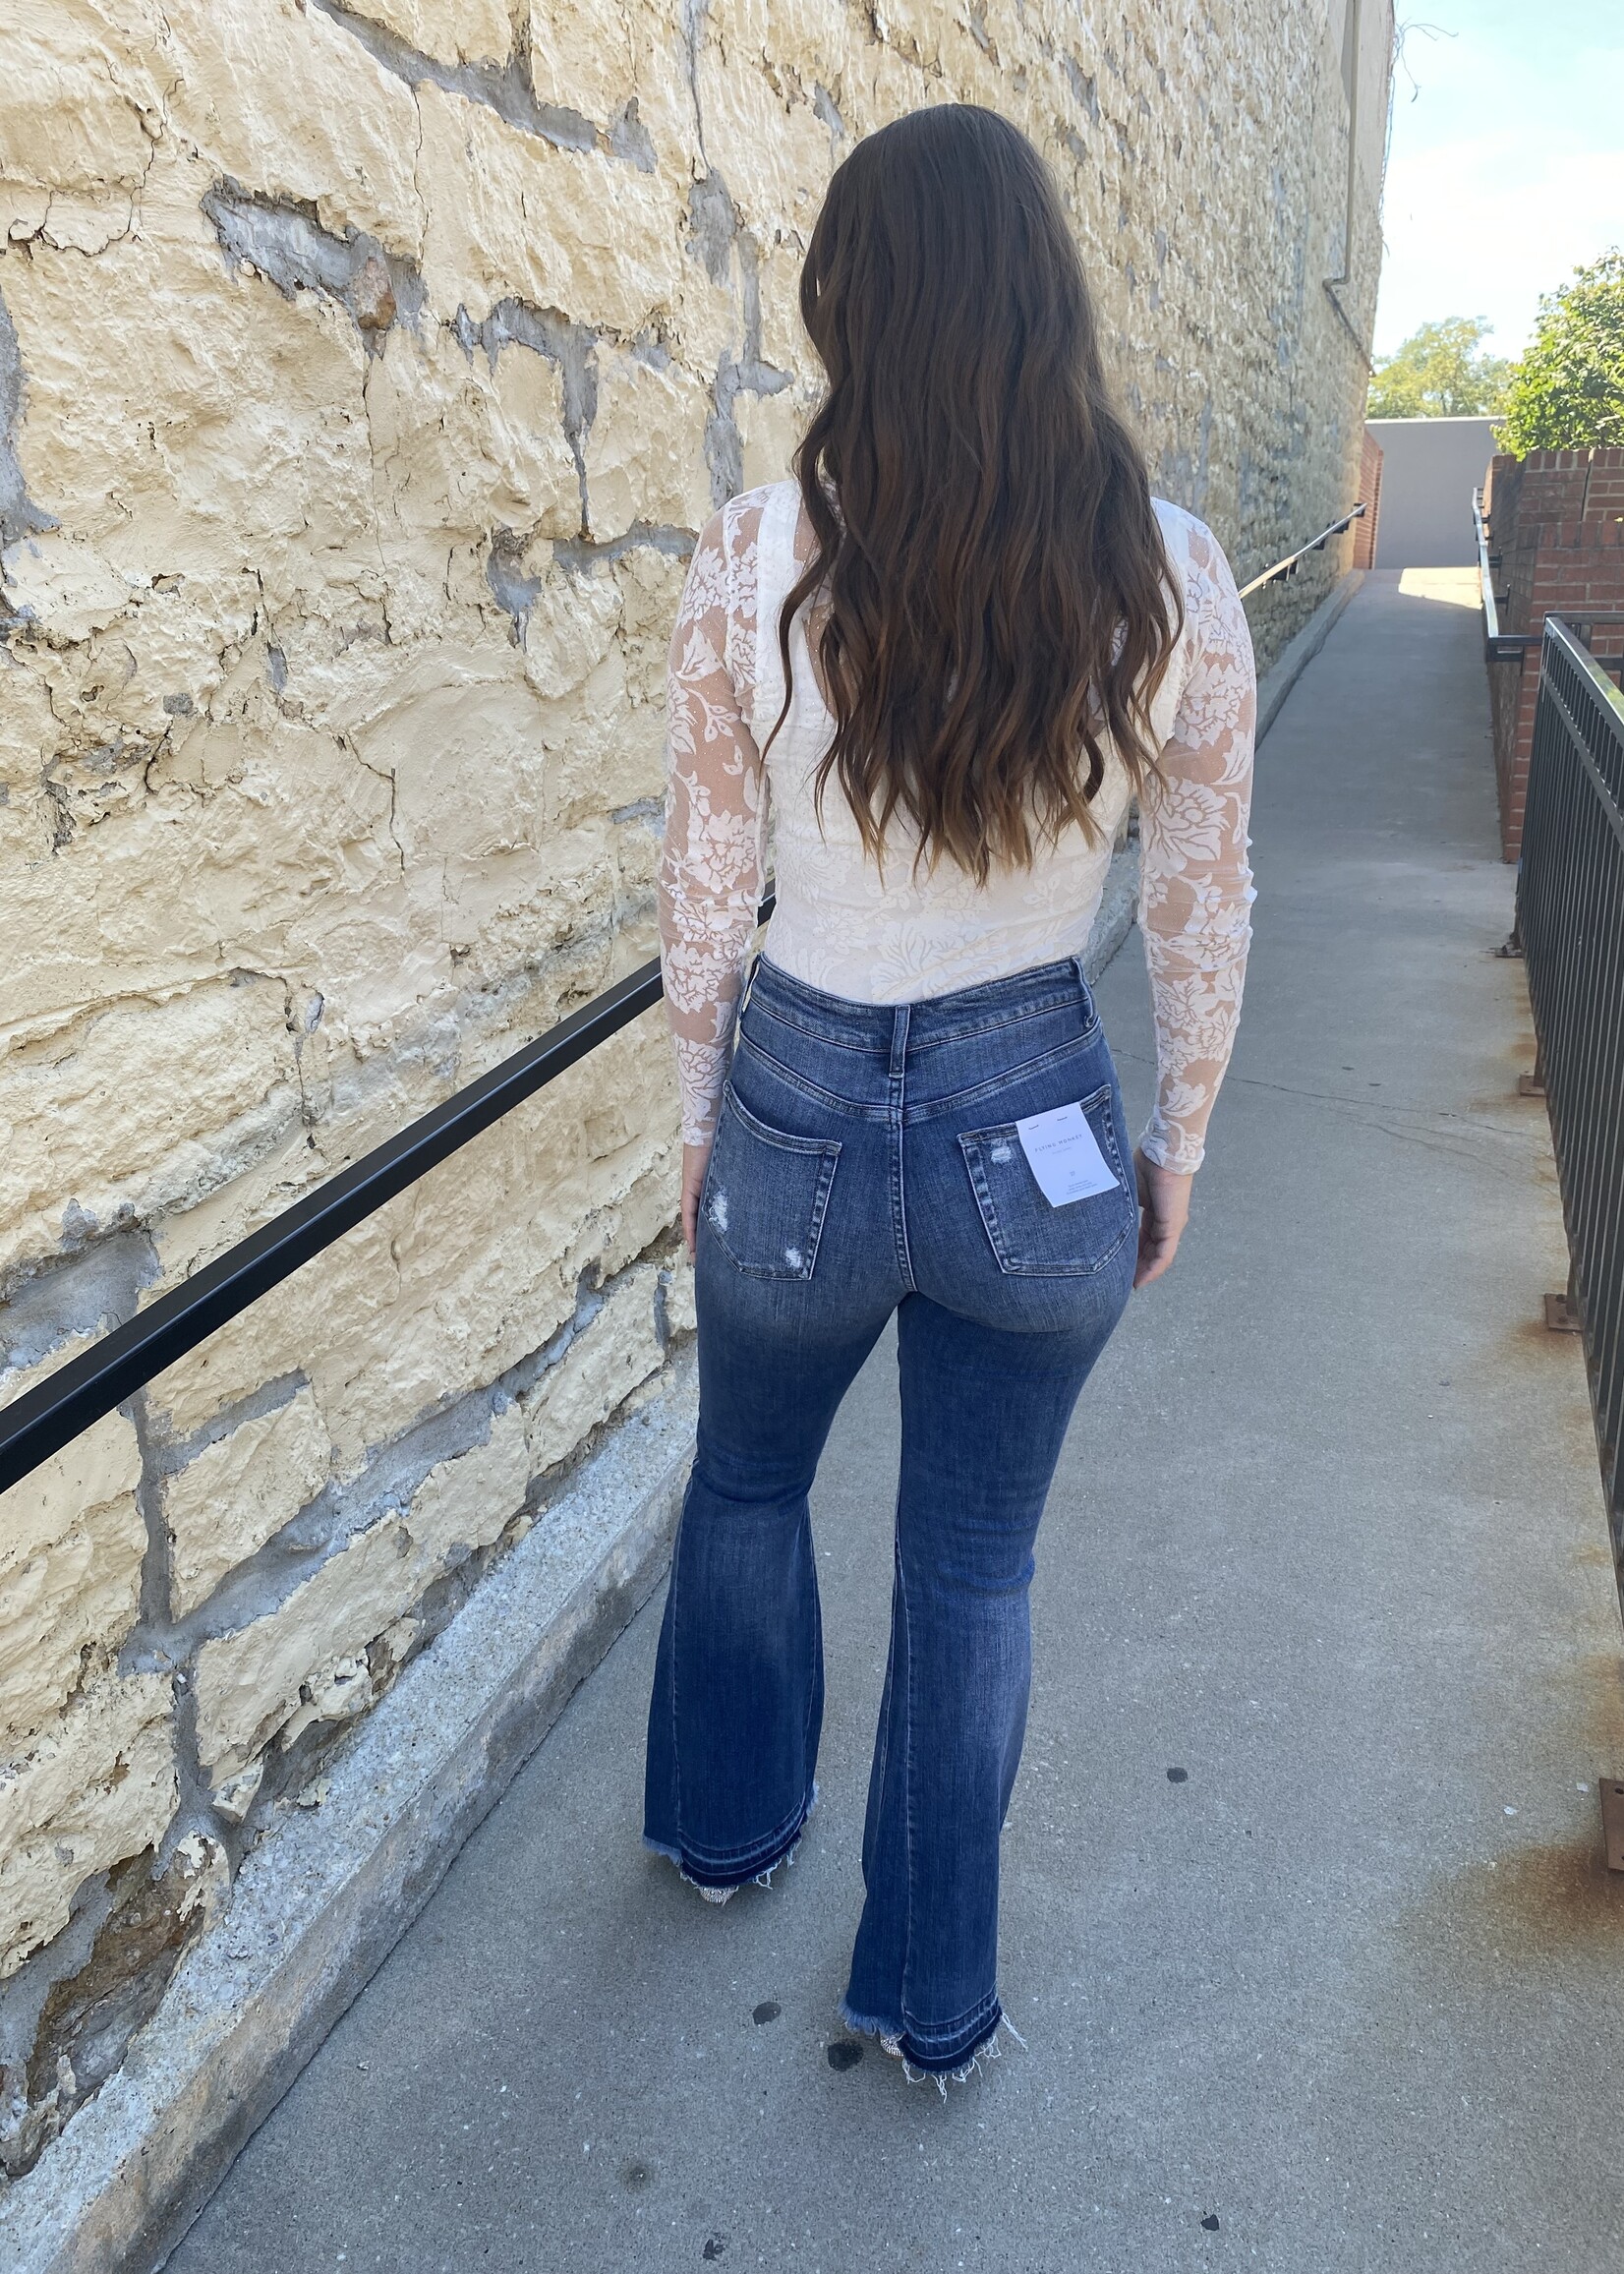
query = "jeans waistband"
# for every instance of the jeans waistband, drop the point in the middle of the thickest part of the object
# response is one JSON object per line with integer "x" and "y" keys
{"x": 968, "y": 1011}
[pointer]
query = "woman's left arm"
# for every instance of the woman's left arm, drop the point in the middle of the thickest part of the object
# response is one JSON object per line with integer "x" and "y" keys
{"x": 711, "y": 868}
{"x": 1195, "y": 892}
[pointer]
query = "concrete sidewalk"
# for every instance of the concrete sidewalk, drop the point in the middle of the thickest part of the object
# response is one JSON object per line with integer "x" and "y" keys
{"x": 1304, "y": 1920}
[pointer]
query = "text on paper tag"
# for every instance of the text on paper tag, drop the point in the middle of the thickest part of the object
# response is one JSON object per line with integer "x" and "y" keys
{"x": 1064, "y": 1156}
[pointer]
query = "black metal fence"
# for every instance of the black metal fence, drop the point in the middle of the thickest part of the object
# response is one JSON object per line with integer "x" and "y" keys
{"x": 1570, "y": 916}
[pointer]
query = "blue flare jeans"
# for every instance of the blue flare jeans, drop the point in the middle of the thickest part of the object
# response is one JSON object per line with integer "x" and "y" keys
{"x": 867, "y": 1161}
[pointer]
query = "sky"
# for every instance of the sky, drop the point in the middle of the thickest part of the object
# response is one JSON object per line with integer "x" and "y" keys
{"x": 1507, "y": 160}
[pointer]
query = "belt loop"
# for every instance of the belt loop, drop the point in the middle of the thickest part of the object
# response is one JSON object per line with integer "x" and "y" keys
{"x": 749, "y": 981}
{"x": 899, "y": 1041}
{"x": 1086, "y": 992}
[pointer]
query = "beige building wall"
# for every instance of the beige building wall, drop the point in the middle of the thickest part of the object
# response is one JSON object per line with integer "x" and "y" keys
{"x": 366, "y": 370}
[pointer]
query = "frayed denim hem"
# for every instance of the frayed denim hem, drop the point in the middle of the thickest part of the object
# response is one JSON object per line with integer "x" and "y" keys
{"x": 868, "y": 2025}
{"x": 720, "y": 1890}
{"x": 958, "y": 2071}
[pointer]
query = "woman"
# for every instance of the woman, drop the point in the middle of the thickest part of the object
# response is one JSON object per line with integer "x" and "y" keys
{"x": 952, "y": 651}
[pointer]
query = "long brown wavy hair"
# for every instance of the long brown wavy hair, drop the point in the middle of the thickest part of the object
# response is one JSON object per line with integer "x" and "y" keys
{"x": 986, "y": 545}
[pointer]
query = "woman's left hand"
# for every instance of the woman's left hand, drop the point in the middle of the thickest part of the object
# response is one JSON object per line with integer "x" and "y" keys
{"x": 695, "y": 1159}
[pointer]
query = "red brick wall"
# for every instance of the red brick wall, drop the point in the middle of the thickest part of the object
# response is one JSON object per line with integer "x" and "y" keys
{"x": 1556, "y": 523}
{"x": 1370, "y": 489}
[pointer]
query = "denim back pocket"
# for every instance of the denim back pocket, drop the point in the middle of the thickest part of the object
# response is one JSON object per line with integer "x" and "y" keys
{"x": 766, "y": 1194}
{"x": 1030, "y": 1237}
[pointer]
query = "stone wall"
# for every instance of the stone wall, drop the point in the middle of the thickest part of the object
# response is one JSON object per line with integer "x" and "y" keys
{"x": 366, "y": 370}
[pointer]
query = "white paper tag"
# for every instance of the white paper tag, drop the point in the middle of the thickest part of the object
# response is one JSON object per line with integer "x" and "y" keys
{"x": 1064, "y": 1156}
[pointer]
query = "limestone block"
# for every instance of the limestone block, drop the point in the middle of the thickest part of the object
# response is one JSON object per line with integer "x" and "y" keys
{"x": 511, "y": 215}
{"x": 255, "y": 1683}
{"x": 344, "y": 1291}
{"x": 134, "y": 1106}
{"x": 137, "y": 688}
{"x": 680, "y": 1315}
{"x": 812, "y": 36}
{"x": 78, "y": 223}
{"x": 452, "y": 31}
{"x": 291, "y": 858}
{"x": 784, "y": 344}
{"x": 507, "y": 911}
{"x": 460, "y": 450}
{"x": 707, "y": 321}
{"x": 66, "y": 585}
{"x": 566, "y": 1193}
{"x": 460, "y": 444}
{"x": 605, "y": 740}
{"x": 581, "y": 54}
{"x": 233, "y": 1495}
{"x": 72, "y": 1540}
{"x": 24, "y": 206}
{"x": 236, "y": 1795}
{"x": 283, "y": 100}
{"x": 248, "y": 1684}
{"x": 27, "y": 726}
{"x": 637, "y": 864}
{"x": 81, "y": 97}
{"x": 466, "y": 1503}
{"x": 341, "y": 1691}
{"x": 227, "y": 435}
{"x": 596, "y": 56}
{"x": 570, "y": 629}
{"x": 603, "y": 1365}
{"x": 880, "y": 83}
{"x": 987, "y": 69}
{"x": 95, "y": 1786}
{"x": 284, "y": 835}
{"x": 645, "y": 452}
{"x": 601, "y": 750}
{"x": 911, "y": 30}
{"x": 472, "y": 1269}
{"x": 769, "y": 428}
{"x": 778, "y": 147}
{"x": 459, "y": 734}
{"x": 25, "y": 828}
{"x": 650, "y": 585}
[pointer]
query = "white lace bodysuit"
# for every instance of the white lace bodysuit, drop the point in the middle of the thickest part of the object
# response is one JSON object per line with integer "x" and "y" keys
{"x": 842, "y": 925}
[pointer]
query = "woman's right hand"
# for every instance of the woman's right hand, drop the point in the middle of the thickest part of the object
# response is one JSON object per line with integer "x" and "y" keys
{"x": 1164, "y": 1211}
{"x": 695, "y": 1160}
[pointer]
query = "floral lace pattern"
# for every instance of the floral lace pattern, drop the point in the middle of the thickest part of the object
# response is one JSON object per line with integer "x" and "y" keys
{"x": 1195, "y": 889}
{"x": 713, "y": 866}
{"x": 845, "y": 927}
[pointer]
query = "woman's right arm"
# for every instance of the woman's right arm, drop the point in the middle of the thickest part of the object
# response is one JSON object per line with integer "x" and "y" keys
{"x": 711, "y": 868}
{"x": 1195, "y": 891}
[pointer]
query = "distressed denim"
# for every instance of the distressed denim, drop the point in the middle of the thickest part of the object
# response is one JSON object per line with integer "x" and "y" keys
{"x": 866, "y": 1162}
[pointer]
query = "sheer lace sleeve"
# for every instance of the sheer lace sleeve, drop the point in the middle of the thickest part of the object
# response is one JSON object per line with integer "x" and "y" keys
{"x": 715, "y": 810}
{"x": 1195, "y": 890}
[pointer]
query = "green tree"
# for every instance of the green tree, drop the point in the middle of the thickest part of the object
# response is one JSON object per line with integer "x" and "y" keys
{"x": 1438, "y": 373}
{"x": 1567, "y": 394}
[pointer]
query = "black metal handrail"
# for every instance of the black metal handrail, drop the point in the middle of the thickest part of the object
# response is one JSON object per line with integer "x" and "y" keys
{"x": 1503, "y": 647}
{"x": 56, "y": 1410}
{"x": 1287, "y": 566}
{"x": 1570, "y": 914}
{"x": 1499, "y": 647}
